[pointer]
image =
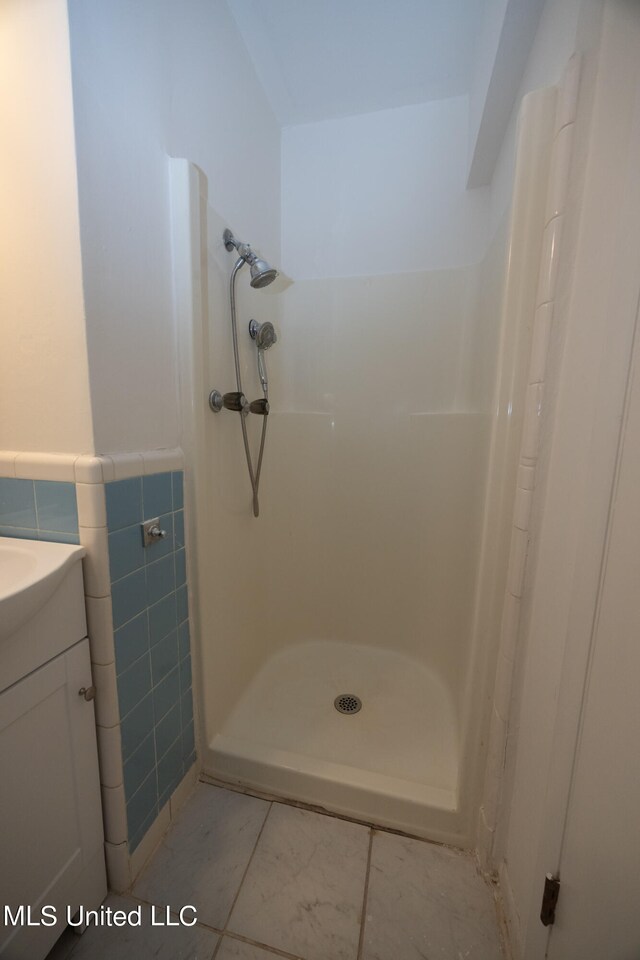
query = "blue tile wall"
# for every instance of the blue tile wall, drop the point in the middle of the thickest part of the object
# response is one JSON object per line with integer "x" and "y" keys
{"x": 153, "y": 659}
{"x": 38, "y": 510}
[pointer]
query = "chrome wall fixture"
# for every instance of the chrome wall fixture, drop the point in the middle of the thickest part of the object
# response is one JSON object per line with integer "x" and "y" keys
{"x": 264, "y": 335}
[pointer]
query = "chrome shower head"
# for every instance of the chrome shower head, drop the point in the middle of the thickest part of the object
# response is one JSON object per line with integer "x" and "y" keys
{"x": 262, "y": 273}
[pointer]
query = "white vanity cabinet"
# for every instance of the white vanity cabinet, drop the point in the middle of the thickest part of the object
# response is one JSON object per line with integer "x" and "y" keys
{"x": 51, "y": 835}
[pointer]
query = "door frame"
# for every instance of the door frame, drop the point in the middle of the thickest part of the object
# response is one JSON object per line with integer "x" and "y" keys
{"x": 589, "y": 388}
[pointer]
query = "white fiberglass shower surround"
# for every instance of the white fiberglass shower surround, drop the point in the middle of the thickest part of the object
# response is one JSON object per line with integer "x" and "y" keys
{"x": 377, "y": 566}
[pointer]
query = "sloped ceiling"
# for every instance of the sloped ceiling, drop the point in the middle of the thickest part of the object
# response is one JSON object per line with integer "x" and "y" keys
{"x": 318, "y": 59}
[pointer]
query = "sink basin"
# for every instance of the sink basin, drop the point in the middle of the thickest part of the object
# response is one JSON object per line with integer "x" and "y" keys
{"x": 30, "y": 571}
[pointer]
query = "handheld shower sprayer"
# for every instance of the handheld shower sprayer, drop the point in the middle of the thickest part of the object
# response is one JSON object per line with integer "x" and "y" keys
{"x": 265, "y": 336}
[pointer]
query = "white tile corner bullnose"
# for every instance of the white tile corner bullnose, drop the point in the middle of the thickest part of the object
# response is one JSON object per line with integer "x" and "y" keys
{"x": 8, "y": 463}
{"x": 46, "y": 466}
{"x": 108, "y": 469}
{"x": 97, "y": 578}
{"x": 114, "y": 811}
{"x": 88, "y": 469}
{"x": 118, "y": 866}
{"x": 92, "y": 508}
{"x": 104, "y": 678}
{"x": 100, "y": 629}
{"x": 110, "y": 756}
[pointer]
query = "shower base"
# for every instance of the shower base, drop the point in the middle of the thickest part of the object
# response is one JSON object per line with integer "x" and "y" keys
{"x": 393, "y": 763}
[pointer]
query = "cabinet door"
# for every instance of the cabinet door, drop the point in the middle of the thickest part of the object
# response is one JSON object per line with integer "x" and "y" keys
{"x": 51, "y": 824}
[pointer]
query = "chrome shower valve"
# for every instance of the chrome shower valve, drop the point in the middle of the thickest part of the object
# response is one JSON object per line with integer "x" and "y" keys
{"x": 235, "y": 400}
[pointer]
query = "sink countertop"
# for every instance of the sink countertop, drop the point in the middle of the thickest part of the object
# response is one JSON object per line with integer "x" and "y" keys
{"x": 30, "y": 572}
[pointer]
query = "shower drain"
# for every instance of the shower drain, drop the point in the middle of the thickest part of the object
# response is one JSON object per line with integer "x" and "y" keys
{"x": 347, "y": 703}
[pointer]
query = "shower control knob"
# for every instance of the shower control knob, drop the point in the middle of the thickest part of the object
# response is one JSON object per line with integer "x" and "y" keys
{"x": 260, "y": 406}
{"x": 235, "y": 401}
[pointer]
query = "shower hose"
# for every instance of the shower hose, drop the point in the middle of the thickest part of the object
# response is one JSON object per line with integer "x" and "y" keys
{"x": 254, "y": 477}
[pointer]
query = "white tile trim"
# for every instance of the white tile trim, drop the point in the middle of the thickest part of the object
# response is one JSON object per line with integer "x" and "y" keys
{"x": 161, "y": 461}
{"x": 100, "y": 629}
{"x": 46, "y": 466}
{"x": 104, "y": 677}
{"x": 92, "y": 508}
{"x": 114, "y": 812}
{"x": 97, "y": 579}
{"x": 127, "y": 465}
{"x": 8, "y": 463}
{"x": 118, "y": 868}
{"x": 88, "y": 468}
{"x": 110, "y": 753}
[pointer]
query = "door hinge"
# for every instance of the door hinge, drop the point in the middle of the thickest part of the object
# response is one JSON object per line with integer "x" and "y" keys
{"x": 549, "y": 899}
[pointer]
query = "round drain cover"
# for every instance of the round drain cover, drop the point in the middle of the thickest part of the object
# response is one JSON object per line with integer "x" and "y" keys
{"x": 347, "y": 703}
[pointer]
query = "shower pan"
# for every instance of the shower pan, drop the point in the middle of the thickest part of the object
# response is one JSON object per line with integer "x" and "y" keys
{"x": 348, "y": 639}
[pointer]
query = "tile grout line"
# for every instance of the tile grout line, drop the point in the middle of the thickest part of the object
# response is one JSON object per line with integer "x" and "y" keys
{"x": 246, "y": 869}
{"x": 275, "y": 951}
{"x": 365, "y": 895}
{"x": 259, "y": 794}
{"x": 205, "y": 926}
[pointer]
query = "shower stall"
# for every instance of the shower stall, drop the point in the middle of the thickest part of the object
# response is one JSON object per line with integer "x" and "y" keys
{"x": 348, "y": 635}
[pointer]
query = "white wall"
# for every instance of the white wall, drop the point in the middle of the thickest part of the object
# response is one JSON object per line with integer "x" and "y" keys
{"x": 555, "y": 42}
{"x": 44, "y": 390}
{"x": 381, "y": 192}
{"x": 152, "y": 79}
{"x": 487, "y": 43}
{"x": 593, "y": 329}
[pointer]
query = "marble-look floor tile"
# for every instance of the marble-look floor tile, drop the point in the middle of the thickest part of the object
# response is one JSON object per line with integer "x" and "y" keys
{"x": 231, "y": 949}
{"x": 203, "y": 857}
{"x": 426, "y": 902}
{"x": 64, "y": 946}
{"x": 144, "y": 942}
{"x": 304, "y": 889}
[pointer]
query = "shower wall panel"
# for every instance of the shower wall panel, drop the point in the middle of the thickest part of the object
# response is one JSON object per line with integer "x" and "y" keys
{"x": 374, "y": 480}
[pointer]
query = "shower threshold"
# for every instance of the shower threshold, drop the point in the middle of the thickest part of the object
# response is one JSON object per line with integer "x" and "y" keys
{"x": 393, "y": 763}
